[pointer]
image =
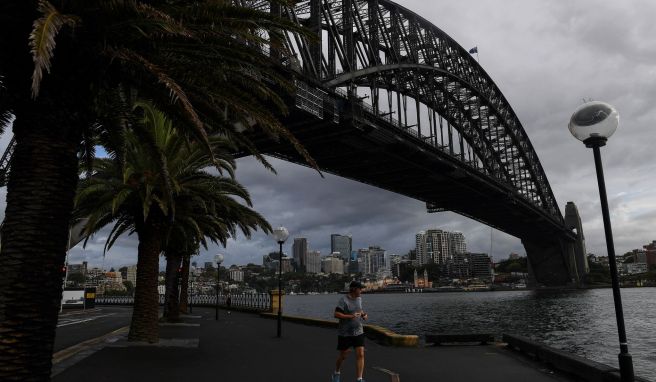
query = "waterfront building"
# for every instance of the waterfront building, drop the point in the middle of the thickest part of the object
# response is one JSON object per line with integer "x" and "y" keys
{"x": 391, "y": 261}
{"x": 342, "y": 244}
{"x": 333, "y": 264}
{"x": 650, "y": 254}
{"x": 481, "y": 265}
{"x": 635, "y": 268}
{"x": 400, "y": 268}
{"x": 460, "y": 266}
{"x": 313, "y": 264}
{"x": 300, "y": 252}
{"x": 432, "y": 247}
{"x": 456, "y": 243}
{"x": 236, "y": 273}
{"x": 374, "y": 260}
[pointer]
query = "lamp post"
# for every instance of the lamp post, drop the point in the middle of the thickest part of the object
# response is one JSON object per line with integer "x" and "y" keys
{"x": 218, "y": 259}
{"x": 280, "y": 234}
{"x": 593, "y": 123}
{"x": 191, "y": 289}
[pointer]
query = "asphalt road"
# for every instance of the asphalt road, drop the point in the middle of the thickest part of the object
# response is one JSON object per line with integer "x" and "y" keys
{"x": 75, "y": 326}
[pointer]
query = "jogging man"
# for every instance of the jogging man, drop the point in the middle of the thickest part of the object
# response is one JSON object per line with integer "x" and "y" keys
{"x": 350, "y": 331}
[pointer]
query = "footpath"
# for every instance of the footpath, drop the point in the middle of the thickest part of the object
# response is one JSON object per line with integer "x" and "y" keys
{"x": 244, "y": 347}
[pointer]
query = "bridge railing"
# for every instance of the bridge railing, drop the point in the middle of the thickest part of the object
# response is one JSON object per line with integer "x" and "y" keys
{"x": 370, "y": 111}
{"x": 254, "y": 301}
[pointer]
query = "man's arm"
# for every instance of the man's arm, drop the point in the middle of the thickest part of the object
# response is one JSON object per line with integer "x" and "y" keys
{"x": 339, "y": 313}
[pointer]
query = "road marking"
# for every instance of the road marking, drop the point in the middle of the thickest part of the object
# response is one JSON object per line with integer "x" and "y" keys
{"x": 394, "y": 377}
{"x": 79, "y": 321}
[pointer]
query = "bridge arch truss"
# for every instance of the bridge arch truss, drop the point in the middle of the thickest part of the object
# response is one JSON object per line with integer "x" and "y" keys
{"x": 414, "y": 75}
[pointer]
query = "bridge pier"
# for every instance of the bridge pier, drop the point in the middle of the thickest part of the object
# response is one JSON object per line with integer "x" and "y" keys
{"x": 548, "y": 257}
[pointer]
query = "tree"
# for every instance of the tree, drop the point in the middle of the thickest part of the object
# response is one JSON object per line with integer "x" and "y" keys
{"x": 128, "y": 286}
{"x": 202, "y": 62}
{"x": 158, "y": 186}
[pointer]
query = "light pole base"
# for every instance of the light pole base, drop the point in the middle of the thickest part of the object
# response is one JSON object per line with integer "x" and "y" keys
{"x": 626, "y": 367}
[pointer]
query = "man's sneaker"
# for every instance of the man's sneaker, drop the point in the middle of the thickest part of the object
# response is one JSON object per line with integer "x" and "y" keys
{"x": 335, "y": 377}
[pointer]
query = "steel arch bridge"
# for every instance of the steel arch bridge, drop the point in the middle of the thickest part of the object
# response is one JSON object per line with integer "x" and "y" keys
{"x": 386, "y": 98}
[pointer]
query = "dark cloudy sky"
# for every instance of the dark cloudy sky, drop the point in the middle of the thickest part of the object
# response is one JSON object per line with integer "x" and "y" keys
{"x": 545, "y": 56}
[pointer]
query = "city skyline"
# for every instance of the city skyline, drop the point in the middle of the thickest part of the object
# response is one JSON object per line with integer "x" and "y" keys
{"x": 546, "y": 58}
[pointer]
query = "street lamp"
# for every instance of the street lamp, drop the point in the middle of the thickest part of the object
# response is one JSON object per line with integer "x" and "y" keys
{"x": 218, "y": 259}
{"x": 280, "y": 234}
{"x": 593, "y": 123}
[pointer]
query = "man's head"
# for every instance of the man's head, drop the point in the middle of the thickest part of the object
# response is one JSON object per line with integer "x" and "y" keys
{"x": 355, "y": 288}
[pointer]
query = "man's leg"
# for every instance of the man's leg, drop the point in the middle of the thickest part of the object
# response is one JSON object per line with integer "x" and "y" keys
{"x": 340, "y": 358}
{"x": 359, "y": 353}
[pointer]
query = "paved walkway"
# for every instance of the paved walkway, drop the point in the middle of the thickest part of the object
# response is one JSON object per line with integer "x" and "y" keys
{"x": 243, "y": 347}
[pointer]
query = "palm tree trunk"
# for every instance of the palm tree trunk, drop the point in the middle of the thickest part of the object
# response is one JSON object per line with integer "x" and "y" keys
{"x": 172, "y": 279}
{"x": 184, "y": 285}
{"x": 40, "y": 193}
{"x": 145, "y": 316}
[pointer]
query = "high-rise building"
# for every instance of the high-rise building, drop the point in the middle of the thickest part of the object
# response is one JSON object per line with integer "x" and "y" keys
{"x": 432, "y": 247}
{"x": 457, "y": 243}
{"x": 374, "y": 260}
{"x": 342, "y": 244}
{"x": 209, "y": 265}
{"x": 436, "y": 246}
{"x": 313, "y": 264}
{"x": 300, "y": 252}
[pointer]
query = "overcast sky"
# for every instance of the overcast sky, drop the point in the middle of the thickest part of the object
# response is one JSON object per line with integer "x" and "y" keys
{"x": 545, "y": 56}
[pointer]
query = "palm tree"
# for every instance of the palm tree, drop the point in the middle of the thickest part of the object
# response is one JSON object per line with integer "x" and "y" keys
{"x": 158, "y": 186}
{"x": 200, "y": 61}
{"x": 208, "y": 214}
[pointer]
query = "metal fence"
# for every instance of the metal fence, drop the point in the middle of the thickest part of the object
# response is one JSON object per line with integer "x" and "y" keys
{"x": 255, "y": 301}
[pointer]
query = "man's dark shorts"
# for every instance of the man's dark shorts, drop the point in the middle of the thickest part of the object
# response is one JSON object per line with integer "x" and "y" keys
{"x": 345, "y": 342}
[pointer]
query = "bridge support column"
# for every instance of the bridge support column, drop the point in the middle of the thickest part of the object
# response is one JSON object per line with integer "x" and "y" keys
{"x": 552, "y": 262}
{"x": 573, "y": 222}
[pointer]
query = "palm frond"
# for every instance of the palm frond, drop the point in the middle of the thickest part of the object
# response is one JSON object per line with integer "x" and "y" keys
{"x": 42, "y": 40}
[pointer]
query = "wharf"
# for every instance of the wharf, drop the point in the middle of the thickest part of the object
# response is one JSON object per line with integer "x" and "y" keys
{"x": 244, "y": 347}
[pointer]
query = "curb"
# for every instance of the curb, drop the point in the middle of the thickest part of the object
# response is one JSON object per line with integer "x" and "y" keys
{"x": 377, "y": 333}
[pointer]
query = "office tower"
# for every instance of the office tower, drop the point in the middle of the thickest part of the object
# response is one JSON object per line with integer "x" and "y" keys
{"x": 342, "y": 244}
{"x": 300, "y": 251}
{"x": 313, "y": 264}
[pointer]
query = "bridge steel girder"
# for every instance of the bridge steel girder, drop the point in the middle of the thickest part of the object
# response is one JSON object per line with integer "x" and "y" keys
{"x": 365, "y": 30}
{"x": 378, "y": 44}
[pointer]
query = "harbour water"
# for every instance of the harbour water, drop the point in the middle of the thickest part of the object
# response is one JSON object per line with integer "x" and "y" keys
{"x": 581, "y": 322}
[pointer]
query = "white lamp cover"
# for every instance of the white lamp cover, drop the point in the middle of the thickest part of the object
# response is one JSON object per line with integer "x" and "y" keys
{"x": 218, "y": 258}
{"x": 594, "y": 119}
{"x": 280, "y": 234}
